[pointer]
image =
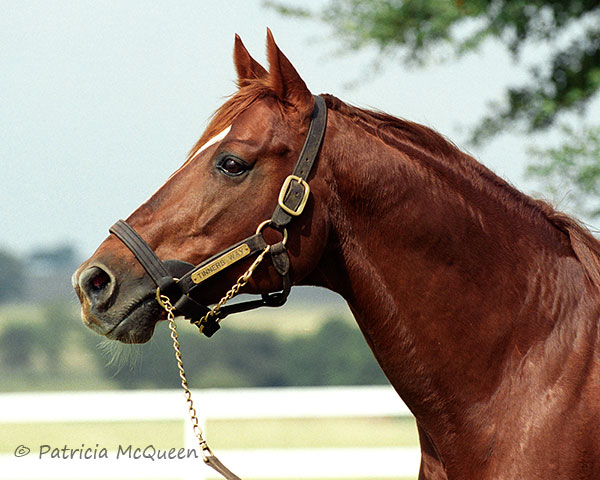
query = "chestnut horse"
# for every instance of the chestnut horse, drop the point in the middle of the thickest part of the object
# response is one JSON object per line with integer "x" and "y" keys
{"x": 480, "y": 304}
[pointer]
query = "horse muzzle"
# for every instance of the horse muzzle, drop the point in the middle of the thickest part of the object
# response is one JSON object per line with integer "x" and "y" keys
{"x": 102, "y": 293}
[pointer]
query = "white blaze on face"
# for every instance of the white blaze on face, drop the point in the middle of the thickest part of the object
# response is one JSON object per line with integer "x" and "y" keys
{"x": 212, "y": 141}
{"x": 217, "y": 138}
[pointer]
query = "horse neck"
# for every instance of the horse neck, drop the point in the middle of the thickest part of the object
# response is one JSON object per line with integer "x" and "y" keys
{"x": 445, "y": 268}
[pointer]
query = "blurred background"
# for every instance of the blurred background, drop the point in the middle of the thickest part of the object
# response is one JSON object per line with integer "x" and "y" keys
{"x": 100, "y": 101}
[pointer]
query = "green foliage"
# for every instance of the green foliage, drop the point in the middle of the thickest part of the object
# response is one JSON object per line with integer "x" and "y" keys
{"x": 572, "y": 170}
{"x": 18, "y": 347}
{"x": 416, "y": 29}
{"x": 414, "y": 26}
{"x": 54, "y": 333}
{"x": 336, "y": 354}
{"x": 50, "y": 349}
{"x": 41, "y": 343}
{"x": 12, "y": 278}
{"x": 62, "y": 256}
{"x": 571, "y": 81}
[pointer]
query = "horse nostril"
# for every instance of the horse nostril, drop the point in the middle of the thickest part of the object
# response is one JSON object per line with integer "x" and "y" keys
{"x": 98, "y": 286}
{"x": 99, "y": 281}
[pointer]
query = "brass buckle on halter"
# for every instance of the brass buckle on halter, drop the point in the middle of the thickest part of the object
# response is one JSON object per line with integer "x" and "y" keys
{"x": 284, "y": 189}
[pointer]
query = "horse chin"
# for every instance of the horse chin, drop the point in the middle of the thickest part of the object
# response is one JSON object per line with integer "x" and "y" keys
{"x": 134, "y": 324}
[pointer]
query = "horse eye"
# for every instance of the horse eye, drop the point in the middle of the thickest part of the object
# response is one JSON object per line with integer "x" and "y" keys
{"x": 232, "y": 166}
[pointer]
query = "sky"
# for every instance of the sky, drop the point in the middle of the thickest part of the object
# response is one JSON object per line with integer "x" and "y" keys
{"x": 101, "y": 100}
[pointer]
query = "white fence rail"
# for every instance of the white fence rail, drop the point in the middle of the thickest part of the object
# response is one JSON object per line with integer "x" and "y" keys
{"x": 340, "y": 402}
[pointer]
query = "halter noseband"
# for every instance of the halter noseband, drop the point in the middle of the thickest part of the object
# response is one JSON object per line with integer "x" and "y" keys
{"x": 178, "y": 280}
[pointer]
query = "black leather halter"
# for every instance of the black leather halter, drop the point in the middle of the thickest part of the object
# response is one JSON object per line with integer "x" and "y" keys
{"x": 179, "y": 280}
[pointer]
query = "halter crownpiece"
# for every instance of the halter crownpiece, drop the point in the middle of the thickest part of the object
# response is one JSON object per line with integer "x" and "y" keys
{"x": 178, "y": 280}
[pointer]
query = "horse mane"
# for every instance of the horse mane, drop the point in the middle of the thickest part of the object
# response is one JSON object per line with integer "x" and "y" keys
{"x": 583, "y": 243}
{"x": 400, "y": 133}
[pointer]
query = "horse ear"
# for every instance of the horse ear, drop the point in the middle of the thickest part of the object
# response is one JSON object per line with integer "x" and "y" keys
{"x": 285, "y": 80}
{"x": 247, "y": 68}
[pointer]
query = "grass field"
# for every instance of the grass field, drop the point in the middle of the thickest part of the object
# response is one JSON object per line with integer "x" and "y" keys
{"x": 222, "y": 434}
{"x": 305, "y": 433}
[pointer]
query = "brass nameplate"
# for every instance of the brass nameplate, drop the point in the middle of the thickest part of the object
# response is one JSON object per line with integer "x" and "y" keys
{"x": 220, "y": 263}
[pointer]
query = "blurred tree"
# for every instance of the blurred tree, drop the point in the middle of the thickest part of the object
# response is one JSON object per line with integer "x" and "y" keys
{"x": 572, "y": 170}
{"x": 18, "y": 344}
{"x": 12, "y": 277}
{"x": 238, "y": 358}
{"x": 336, "y": 354}
{"x": 564, "y": 82}
{"x": 55, "y": 332}
{"x": 60, "y": 257}
{"x": 43, "y": 353}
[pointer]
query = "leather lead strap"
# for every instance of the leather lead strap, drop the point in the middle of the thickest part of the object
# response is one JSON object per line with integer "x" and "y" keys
{"x": 218, "y": 466}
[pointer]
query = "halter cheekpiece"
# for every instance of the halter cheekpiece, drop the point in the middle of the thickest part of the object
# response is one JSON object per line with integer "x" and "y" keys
{"x": 178, "y": 280}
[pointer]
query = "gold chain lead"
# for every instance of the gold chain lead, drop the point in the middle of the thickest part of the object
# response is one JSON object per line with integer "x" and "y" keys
{"x": 205, "y": 450}
{"x": 165, "y": 302}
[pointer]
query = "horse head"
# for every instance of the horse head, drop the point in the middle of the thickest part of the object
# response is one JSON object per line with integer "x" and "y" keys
{"x": 230, "y": 184}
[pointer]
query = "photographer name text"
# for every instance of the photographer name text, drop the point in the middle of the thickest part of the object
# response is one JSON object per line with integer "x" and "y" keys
{"x": 97, "y": 452}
